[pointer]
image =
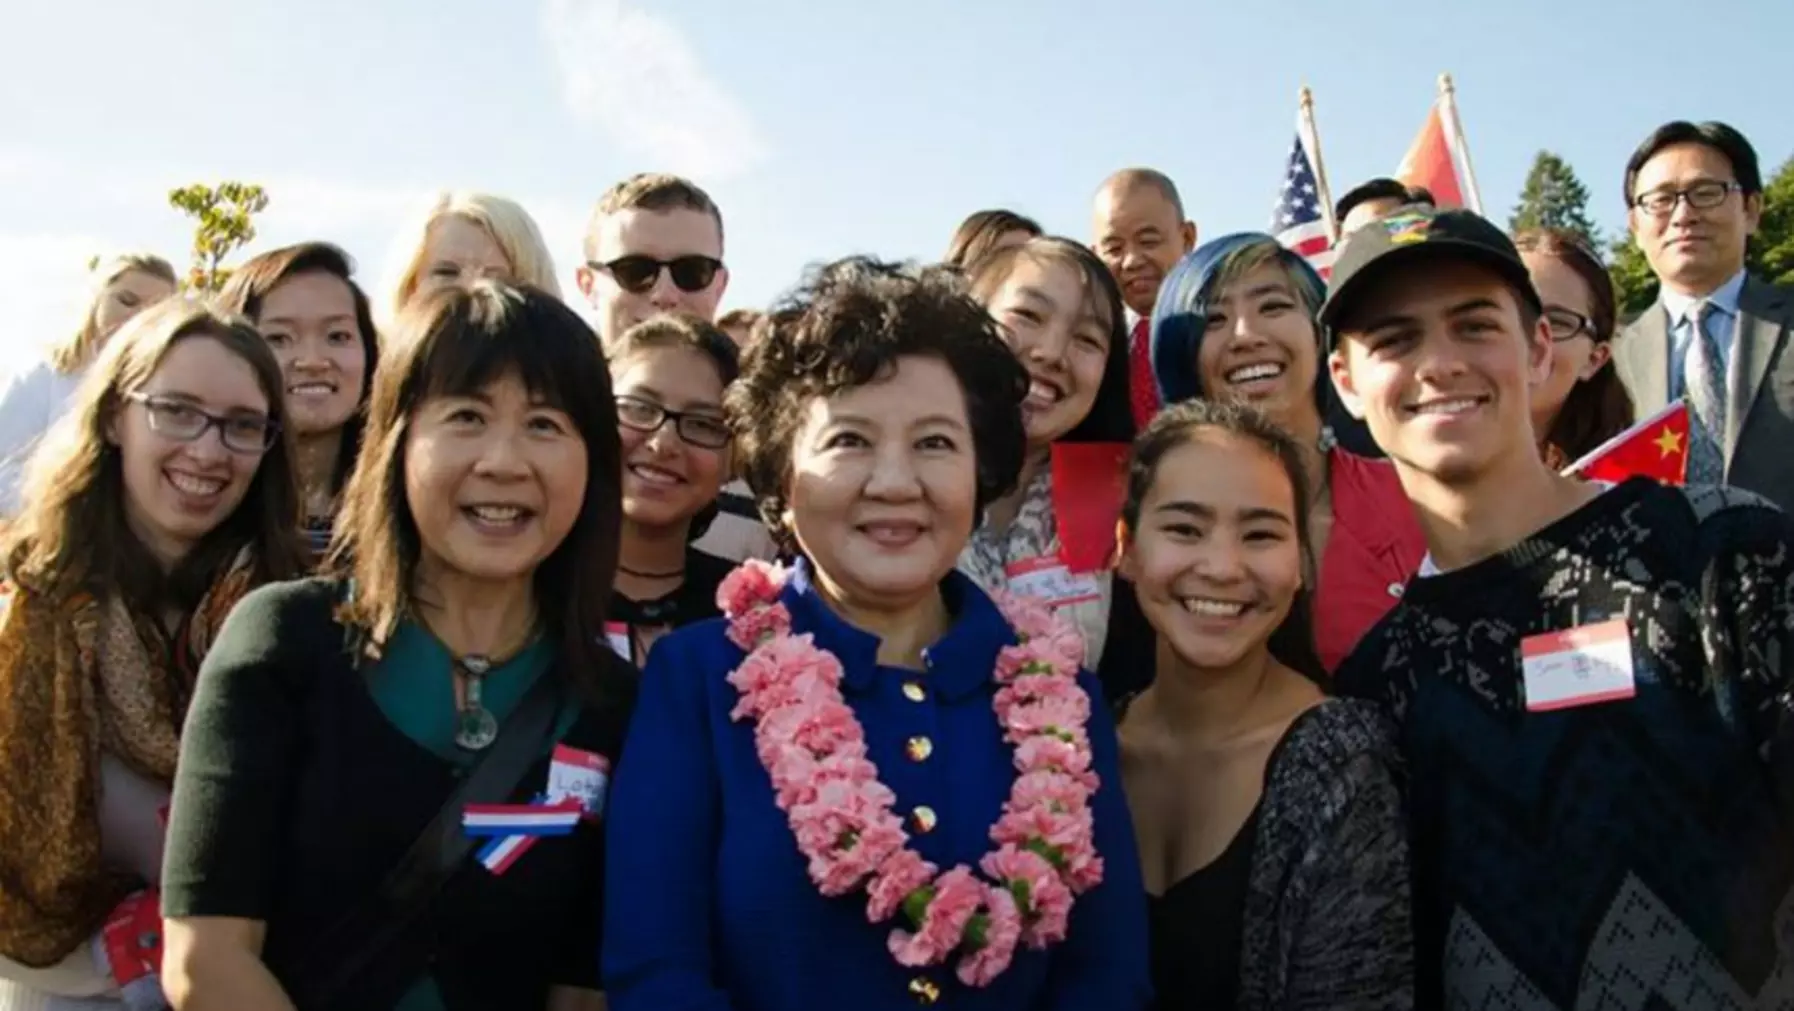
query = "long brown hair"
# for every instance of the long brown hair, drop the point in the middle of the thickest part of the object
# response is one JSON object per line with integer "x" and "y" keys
{"x": 72, "y": 534}
{"x": 83, "y": 345}
{"x": 453, "y": 342}
{"x": 1597, "y": 408}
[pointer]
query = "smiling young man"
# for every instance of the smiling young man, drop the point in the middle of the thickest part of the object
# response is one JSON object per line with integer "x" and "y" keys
{"x": 655, "y": 245}
{"x": 1593, "y": 683}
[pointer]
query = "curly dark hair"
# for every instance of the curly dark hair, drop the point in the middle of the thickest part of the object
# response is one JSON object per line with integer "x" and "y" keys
{"x": 845, "y": 327}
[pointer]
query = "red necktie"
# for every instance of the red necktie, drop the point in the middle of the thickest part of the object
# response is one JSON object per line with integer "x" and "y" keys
{"x": 1142, "y": 388}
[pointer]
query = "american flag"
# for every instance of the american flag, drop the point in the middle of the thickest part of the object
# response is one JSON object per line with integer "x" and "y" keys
{"x": 1298, "y": 221}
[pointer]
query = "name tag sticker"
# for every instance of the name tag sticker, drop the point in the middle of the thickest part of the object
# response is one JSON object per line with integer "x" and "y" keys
{"x": 1578, "y": 667}
{"x": 618, "y": 634}
{"x": 579, "y": 775}
{"x": 1049, "y": 579}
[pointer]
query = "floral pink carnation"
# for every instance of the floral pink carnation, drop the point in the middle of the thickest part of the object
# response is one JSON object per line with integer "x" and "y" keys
{"x": 1050, "y": 789}
{"x": 841, "y": 816}
{"x": 1002, "y": 931}
{"x": 759, "y": 625}
{"x": 841, "y": 871}
{"x": 820, "y": 725}
{"x": 753, "y": 582}
{"x": 797, "y": 775}
{"x": 1049, "y": 914}
{"x": 902, "y": 873}
{"x": 1030, "y": 617}
{"x": 776, "y": 663}
{"x": 1023, "y": 690}
{"x": 1056, "y": 715}
{"x": 957, "y": 895}
{"x": 1019, "y": 825}
{"x": 1010, "y": 862}
{"x": 1037, "y": 753}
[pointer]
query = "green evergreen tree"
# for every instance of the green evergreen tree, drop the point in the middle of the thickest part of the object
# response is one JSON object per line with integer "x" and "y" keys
{"x": 1771, "y": 255}
{"x": 1634, "y": 286}
{"x": 1553, "y": 198}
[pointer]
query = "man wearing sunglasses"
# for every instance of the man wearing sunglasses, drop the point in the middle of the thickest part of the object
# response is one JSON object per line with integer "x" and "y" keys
{"x": 655, "y": 244}
{"x": 1716, "y": 334}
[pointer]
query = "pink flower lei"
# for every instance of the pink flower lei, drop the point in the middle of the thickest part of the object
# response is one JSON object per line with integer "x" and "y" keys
{"x": 842, "y": 815}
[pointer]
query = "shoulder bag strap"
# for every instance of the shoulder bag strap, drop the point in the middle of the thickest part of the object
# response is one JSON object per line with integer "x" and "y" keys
{"x": 340, "y": 954}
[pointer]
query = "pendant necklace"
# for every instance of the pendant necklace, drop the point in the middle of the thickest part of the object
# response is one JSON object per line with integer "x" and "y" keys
{"x": 475, "y": 726}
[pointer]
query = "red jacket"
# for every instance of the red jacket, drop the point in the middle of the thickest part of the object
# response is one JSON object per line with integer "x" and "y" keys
{"x": 1374, "y": 548}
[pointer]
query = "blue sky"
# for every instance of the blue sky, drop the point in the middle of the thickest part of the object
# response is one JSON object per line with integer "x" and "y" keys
{"x": 820, "y": 129}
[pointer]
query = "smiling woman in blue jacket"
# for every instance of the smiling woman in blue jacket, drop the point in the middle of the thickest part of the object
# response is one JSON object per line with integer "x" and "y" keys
{"x": 871, "y": 785}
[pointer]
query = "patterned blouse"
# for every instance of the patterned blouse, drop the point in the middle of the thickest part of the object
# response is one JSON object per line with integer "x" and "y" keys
{"x": 990, "y": 554}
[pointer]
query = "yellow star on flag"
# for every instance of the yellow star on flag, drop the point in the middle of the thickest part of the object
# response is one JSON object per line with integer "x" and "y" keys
{"x": 1669, "y": 442}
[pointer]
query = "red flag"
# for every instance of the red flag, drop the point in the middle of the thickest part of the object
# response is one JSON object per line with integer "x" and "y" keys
{"x": 1089, "y": 484}
{"x": 1429, "y": 163}
{"x": 1656, "y": 447}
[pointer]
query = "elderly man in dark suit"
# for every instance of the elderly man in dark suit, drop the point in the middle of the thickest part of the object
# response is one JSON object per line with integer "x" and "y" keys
{"x": 1716, "y": 335}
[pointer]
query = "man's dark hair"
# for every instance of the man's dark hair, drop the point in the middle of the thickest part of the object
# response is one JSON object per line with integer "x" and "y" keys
{"x": 1381, "y": 188}
{"x": 1716, "y": 135}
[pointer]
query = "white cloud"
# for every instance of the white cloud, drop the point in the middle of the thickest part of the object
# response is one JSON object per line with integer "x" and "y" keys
{"x": 636, "y": 76}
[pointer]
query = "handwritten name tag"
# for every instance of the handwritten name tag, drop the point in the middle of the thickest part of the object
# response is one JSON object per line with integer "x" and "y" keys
{"x": 1578, "y": 667}
{"x": 1049, "y": 579}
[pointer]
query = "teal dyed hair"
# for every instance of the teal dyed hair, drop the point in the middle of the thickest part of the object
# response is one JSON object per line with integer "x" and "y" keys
{"x": 1180, "y": 319}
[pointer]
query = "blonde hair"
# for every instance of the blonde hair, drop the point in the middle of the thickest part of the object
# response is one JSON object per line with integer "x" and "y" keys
{"x": 505, "y": 220}
{"x": 70, "y": 355}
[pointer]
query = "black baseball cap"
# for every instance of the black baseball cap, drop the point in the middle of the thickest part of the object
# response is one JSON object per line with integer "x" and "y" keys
{"x": 1417, "y": 233}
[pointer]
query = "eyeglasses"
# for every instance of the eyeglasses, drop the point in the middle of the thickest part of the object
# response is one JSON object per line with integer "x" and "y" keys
{"x": 1702, "y": 196}
{"x": 1566, "y": 325}
{"x": 702, "y": 430}
{"x": 636, "y": 274}
{"x": 179, "y": 420}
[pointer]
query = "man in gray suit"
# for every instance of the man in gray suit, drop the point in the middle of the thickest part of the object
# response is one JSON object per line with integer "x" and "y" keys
{"x": 1716, "y": 334}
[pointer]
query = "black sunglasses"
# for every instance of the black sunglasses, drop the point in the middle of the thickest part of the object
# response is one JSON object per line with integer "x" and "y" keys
{"x": 636, "y": 274}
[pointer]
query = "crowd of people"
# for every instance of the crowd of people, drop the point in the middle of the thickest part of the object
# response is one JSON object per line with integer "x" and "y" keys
{"x": 430, "y": 649}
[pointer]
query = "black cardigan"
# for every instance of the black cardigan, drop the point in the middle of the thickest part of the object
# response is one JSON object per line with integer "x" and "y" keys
{"x": 295, "y": 797}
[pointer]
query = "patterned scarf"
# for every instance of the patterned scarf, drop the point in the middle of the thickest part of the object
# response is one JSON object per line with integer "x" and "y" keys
{"x": 78, "y": 678}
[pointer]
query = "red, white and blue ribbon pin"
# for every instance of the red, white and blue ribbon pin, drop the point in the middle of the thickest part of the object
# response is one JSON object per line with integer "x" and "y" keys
{"x": 514, "y": 828}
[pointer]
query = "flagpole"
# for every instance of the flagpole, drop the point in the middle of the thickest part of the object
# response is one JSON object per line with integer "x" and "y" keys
{"x": 1448, "y": 104}
{"x": 1311, "y": 135}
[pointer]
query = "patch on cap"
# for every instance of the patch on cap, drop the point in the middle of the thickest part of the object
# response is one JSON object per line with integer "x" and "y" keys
{"x": 1407, "y": 228}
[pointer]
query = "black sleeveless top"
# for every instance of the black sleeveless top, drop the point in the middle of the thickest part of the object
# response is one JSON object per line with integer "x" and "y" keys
{"x": 1195, "y": 929}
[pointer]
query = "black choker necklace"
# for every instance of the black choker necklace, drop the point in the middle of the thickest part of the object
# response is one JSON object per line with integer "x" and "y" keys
{"x": 676, "y": 573}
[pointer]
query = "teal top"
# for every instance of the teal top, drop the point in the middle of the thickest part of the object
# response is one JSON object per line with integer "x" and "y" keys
{"x": 410, "y": 686}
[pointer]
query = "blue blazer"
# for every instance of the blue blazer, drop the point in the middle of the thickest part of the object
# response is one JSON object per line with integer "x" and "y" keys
{"x": 708, "y": 906}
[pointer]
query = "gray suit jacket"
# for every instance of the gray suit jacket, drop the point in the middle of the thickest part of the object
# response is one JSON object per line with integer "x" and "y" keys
{"x": 1759, "y": 438}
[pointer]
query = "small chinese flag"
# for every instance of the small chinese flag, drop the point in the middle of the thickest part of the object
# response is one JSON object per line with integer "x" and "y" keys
{"x": 1656, "y": 447}
{"x": 1429, "y": 163}
{"x": 1089, "y": 483}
